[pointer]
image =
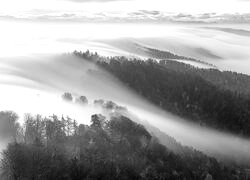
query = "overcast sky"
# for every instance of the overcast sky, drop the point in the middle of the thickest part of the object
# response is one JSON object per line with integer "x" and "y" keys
{"x": 70, "y": 8}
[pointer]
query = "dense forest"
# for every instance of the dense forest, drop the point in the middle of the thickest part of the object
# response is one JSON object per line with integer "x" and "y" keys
{"x": 235, "y": 82}
{"x": 207, "y": 96}
{"x": 114, "y": 147}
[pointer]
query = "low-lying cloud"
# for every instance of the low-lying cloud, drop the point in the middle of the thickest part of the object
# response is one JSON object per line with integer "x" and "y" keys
{"x": 132, "y": 16}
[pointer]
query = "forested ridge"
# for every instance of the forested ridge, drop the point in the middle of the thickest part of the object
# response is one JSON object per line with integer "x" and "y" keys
{"x": 58, "y": 148}
{"x": 207, "y": 96}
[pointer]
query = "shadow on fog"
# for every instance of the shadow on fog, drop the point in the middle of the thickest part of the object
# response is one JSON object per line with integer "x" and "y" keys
{"x": 34, "y": 85}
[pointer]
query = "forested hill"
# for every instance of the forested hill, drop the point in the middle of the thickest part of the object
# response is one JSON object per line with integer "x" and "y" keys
{"x": 109, "y": 149}
{"x": 194, "y": 94}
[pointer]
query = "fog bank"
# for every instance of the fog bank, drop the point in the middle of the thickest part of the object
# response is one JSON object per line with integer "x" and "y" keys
{"x": 224, "y": 45}
{"x": 35, "y": 84}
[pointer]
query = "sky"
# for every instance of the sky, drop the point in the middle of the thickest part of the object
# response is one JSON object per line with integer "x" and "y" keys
{"x": 237, "y": 10}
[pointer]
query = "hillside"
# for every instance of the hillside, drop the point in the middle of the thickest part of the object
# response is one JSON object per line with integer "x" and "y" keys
{"x": 233, "y": 81}
{"x": 199, "y": 95}
{"x": 112, "y": 147}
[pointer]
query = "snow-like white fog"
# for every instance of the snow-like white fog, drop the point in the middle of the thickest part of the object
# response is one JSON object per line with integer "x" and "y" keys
{"x": 35, "y": 84}
{"x": 32, "y": 78}
{"x": 226, "y": 46}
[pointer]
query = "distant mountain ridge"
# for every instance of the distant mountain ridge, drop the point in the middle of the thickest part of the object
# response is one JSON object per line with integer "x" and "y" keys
{"x": 160, "y": 54}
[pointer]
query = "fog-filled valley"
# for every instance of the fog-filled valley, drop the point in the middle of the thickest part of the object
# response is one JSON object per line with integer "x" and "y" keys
{"x": 188, "y": 85}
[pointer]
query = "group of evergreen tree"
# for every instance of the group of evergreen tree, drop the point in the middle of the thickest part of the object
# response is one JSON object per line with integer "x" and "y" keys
{"x": 207, "y": 96}
{"x": 53, "y": 148}
{"x": 233, "y": 81}
{"x": 81, "y": 100}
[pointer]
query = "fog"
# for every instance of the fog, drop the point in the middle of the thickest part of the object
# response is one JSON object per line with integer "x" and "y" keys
{"x": 33, "y": 75}
{"x": 34, "y": 85}
{"x": 224, "y": 45}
